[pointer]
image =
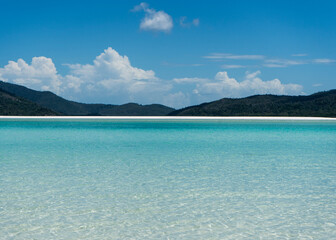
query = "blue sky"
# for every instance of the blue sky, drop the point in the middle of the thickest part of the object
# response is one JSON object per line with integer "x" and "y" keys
{"x": 172, "y": 52}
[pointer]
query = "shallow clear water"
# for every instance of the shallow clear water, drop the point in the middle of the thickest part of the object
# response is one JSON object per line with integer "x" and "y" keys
{"x": 155, "y": 179}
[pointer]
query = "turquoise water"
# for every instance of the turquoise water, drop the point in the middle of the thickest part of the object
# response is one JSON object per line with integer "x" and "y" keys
{"x": 151, "y": 179}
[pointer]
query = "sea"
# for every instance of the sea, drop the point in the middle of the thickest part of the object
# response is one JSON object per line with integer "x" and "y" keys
{"x": 167, "y": 179}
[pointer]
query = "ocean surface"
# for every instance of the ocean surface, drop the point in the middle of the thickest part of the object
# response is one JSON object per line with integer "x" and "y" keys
{"x": 167, "y": 179}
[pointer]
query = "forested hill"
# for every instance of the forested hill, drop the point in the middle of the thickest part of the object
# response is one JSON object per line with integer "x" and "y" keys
{"x": 19, "y": 100}
{"x": 322, "y": 104}
{"x": 15, "y": 106}
{"x": 62, "y": 106}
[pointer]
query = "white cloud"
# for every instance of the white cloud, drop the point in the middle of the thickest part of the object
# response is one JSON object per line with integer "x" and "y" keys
{"x": 190, "y": 80}
{"x": 232, "y": 66}
{"x": 110, "y": 66}
{"x": 274, "y": 65}
{"x": 111, "y": 78}
{"x": 40, "y": 74}
{"x": 154, "y": 20}
{"x": 236, "y": 57}
{"x": 278, "y": 63}
{"x": 73, "y": 82}
{"x": 224, "y": 86}
{"x": 266, "y": 62}
{"x": 252, "y": 75}
{"x": 183, "y": 22}
{"x": 177, "y": 100}
{"x": 141, "y": 7}
{"x": 324, "y": 60}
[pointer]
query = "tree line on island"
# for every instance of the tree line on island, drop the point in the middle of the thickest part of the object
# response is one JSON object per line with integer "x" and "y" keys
{"x": 16, "y": 100}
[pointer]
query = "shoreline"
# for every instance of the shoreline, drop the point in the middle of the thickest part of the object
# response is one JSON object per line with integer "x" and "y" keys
{"x": 163, "y": 118}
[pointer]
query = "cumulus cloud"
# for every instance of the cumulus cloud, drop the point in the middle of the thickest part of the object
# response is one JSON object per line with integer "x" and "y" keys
{"x": 154, "y": 20}
{"x": 252, "y": 84}
{"x": 40, "y": 74}
{"x": 111, "y": 78}
{"x": 109, "y": 68}
{"x": 224, "y": 86}
{"x": 178, "y": 99}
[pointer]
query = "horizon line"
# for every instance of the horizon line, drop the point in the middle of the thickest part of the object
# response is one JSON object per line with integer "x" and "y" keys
{"x": 166, "y": 118}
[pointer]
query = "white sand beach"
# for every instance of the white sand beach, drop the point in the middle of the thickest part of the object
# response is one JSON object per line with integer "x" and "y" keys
{"x": 170, "y": 118}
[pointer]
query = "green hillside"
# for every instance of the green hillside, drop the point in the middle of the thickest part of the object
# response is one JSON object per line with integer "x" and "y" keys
{"x": 322, "y": 104}
{"x": 70, "y": 108}
{"x": 19, "y": 100}
{"x": 14, "y": 106}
